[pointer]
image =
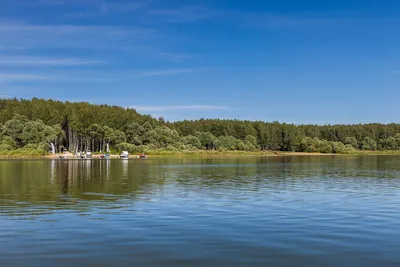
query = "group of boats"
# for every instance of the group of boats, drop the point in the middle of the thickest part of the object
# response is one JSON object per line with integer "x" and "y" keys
{"x": 125, "y": 155}
{"x": 88, "y": 155}
{"x": 83, "y": 155}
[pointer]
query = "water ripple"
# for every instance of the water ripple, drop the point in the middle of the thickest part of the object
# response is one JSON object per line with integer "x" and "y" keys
{"x": 295, "y": 211}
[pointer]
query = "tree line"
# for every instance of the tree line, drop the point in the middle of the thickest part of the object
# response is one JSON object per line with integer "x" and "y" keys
{"x": 311, "y": 138}
{"x": 34, "y": 124}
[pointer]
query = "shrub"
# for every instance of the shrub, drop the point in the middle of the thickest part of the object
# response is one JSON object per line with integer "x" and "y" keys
{"x": 7, "y": 140}
{"x": 368, "y": 144}
{"x": 338, "y": 147}
{"x": 351, "y": 141}
{"x": 5, "y": 148}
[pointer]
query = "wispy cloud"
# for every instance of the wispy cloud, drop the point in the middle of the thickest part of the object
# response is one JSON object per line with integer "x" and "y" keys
{"x": 106, "y": 8}
{"x": 277, "y": 21}
{"x": 7, "y": 60}
{"x": 59, "y": 2}
{"x": 177, "y": 57}
{"x": 5, "y": 77}
{"x": 311, "y": 21}
{"x": 149, "y": 11}
{"x": 87, "y": 76}
{"x": 162, "y": 72}
{"x": 181, "y": 108}
{"x": 183, "y": 14}
{"x": 70, "y": 36}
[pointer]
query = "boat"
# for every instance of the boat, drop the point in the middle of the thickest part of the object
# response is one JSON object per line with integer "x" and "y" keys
{"x": 88, "y": 155}
{"x": 81, "y": 155}
{"x": 105, "y": 156}
{"x": 124, "y": 155}
{"x": 142, "y": 156}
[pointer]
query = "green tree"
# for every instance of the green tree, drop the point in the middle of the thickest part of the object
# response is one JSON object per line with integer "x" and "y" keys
{"x": 368, "y": 144}
{"x": 135, "y": 133}
{"x": 338, "y": 147}
{"x": 252, "y": 140}
{"x": 242, "y": 146}
{"x": 193, "y": 140}
{"x": 207, "y": 140}
{"x": 388, "y": 144}
{"x": 33, "y": 132}
{"x": 8, "y": 141}
{"x": 50, "y": 134}
{"x": 351, "y": 141}
{"x": 118, "y": 137}
{"x": 14, "y": 128}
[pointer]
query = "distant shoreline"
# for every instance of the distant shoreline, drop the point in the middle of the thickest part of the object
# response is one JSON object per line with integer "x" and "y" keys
{"x": 216, "y": 154}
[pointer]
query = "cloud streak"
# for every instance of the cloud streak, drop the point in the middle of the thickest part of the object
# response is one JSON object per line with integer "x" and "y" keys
{"x": 74, "y": 76}
{"x": 107, "y": 8}
{"x": 311, "y": 21}
{"x": 183, "y": 14}
{"x": 167, "y": 72}
{"x": 70, "y": 36}
{"x": 45, "y": 61}
{"x": 152, "y": 11}
{"x": 177, "y": 57}
{"x": 5, "y": 77}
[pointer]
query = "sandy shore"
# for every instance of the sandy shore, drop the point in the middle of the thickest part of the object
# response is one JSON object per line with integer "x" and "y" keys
{"x": 69, "y": 155}
{"x": 206, "y": 154}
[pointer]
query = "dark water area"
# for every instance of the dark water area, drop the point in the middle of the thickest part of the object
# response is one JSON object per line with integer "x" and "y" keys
{"x": 249, "y": 211}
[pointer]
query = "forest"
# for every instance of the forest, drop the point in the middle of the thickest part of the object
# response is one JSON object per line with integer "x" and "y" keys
{"x": 30, "y": 126}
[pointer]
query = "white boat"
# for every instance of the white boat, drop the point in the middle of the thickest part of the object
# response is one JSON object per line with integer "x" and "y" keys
{"x": 124, "y": 155}
{"x": 88, "y": 155}
{"x": 82, "y": 155}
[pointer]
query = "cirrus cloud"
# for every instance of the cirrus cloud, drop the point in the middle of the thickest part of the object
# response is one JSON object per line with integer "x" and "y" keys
{"x": 7, "y": 60}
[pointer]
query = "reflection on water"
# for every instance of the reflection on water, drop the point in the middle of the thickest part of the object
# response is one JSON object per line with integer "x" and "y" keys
{"x": 249, "y": 211}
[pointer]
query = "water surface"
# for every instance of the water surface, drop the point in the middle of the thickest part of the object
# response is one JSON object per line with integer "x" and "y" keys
{"x": 250, "y": 211}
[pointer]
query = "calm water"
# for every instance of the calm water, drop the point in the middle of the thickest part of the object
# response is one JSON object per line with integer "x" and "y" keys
{"x": 299, "y": 211}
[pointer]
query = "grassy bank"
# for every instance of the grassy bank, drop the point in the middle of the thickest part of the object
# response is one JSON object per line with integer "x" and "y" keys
{"x": 377, "y": 152}
{"x": 163, "y": 153}
{"x": 23, "y": 153}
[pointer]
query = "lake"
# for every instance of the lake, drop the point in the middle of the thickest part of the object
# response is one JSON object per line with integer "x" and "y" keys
{"x": 245, "y": 211}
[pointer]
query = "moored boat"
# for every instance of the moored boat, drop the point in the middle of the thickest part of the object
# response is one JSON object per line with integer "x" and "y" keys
{"x": 88, "y": 155}
{"x": 124, "y": 155}
{"x": 105, "y": 156}
{"x": 83, "y": 155}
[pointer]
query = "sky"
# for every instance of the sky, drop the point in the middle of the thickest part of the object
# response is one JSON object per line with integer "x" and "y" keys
{"x": 302, "y": 62}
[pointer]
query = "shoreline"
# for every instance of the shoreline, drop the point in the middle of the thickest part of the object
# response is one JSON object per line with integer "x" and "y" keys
{"x": 217, "y": 154}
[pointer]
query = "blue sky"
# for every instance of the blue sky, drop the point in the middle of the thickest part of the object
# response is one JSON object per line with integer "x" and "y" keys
{"x": 293, "y": 61}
